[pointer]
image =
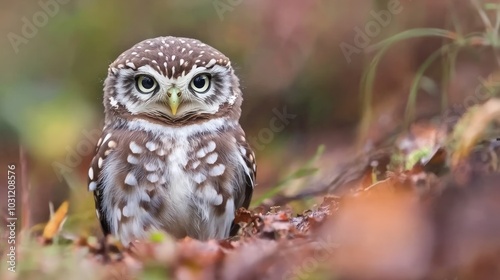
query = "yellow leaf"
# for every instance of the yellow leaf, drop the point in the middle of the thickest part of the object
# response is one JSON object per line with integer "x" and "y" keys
{"x": 56, "y": 221}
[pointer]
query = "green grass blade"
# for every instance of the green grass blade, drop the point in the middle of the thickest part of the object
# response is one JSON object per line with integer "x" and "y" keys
{"x": 304, "y": 171}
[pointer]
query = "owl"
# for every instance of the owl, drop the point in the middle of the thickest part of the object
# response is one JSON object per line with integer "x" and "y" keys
{"x": 172, "y": 156}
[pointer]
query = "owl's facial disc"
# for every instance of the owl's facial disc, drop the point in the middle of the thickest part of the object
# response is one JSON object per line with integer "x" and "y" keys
{"x": 172, "y": 79}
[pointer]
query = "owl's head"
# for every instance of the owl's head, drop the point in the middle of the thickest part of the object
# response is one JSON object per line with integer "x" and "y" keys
{"x": 171, "y": 80}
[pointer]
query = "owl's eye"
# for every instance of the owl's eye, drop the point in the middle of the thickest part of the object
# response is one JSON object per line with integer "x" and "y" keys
{"x": 200, "y": 83}
{"x": 145, "y": 84}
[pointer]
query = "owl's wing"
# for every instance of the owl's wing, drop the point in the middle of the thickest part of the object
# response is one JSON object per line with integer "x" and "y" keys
{"x": 250, "y": 171}
{"x": 95, "y": 183}
{"x": 243, "y": 194}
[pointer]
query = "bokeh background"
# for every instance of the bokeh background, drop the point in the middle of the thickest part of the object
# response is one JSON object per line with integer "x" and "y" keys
{"x": 287, "y": 54}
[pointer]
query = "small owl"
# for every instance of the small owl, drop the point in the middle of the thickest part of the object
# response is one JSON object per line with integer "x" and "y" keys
{"x": 172, "y": 155}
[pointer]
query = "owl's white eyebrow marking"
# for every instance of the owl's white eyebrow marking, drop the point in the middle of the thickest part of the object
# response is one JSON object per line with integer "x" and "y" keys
{"x": 132, "y": 160}
{"x": 91, "y": 173}
{"x": 135, "y": 148}
{"x": 131, "y": 180}
{"x": 92, "y": 186}
{"x": 217, "y": 170}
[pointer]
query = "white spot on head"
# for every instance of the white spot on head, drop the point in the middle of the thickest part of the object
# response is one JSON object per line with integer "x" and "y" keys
{"x": 99, "y": 162}
{"x": 217, "y": 170}
{"x": 99, "y": 142}
{"x": 173, "y": 57}
{"x": 131, "y": 180}
{"x": 160, "y": 53}
{"x": 211, "y": 62}
{"x": 131, "y": 65}
{"x": 135, "y": 148}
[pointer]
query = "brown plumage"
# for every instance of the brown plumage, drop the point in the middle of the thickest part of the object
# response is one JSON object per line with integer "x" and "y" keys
{"x": 172, "y": 155}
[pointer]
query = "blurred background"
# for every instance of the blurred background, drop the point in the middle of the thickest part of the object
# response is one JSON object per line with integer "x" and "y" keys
{"x": 303, "y": 57}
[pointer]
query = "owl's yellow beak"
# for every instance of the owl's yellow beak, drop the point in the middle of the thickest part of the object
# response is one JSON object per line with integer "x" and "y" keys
{"x": 174, "y": 99}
